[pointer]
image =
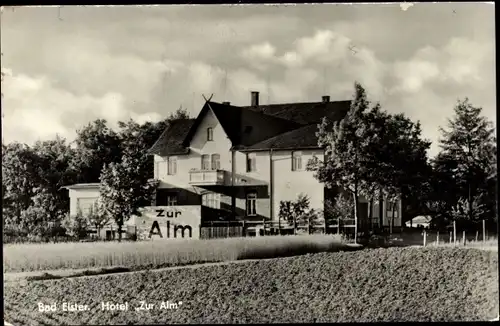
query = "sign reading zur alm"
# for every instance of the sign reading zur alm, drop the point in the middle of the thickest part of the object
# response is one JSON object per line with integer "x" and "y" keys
{"x": 169, "y": 222}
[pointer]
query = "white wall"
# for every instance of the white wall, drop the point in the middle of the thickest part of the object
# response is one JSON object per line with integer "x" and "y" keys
{"x": 199, "y": 145}
{"x": 287, "y": 184}
{"x": 75, "y": 194}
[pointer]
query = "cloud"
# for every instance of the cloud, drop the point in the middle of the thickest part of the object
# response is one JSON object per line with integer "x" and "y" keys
{"x": 414, "y": 74}
{"x": 324, "y": 47}
{"x": 405, "y": 5}
{"x": 263, "y": 51}
{"x": 427, "y": 86}
{"x": 460, "y": 62}
{"x": 143, "y": 63}
{"x": 34, "y": 109}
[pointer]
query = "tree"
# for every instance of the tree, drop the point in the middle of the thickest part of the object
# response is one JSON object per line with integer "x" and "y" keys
{"x": 345, "y": 145}
{"x": 124, "y": 191}
{"x": 467, "y": 161}
{"x": 397, "y": 159}
{"x": 44, "y": 217}
{"x": 76, "y": 225}
{"x": 19, "y": 180}
{"x": 136, "y": 139}
{"x": 97, "y": 216}
{"x": 467, "y": 214}
{"x": 340, "y": 209}
{"x": 286, "y": 212}
{"x": 298, "y": 211}
{"x": 54, "y": 169}
{"x": 96, "y": 145}
{"x": 179, "y": 114}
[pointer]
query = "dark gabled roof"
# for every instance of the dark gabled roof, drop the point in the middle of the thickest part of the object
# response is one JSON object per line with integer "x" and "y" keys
{"x": 305, "y": 113}
{"x": 228, "y": 116}
{"x": 171, "y": 140}
{"x": 234, "y": 120}
{"x": 280, "y": 126}
{"x": 262, "y": 127}
{"x": 301, "y": 138}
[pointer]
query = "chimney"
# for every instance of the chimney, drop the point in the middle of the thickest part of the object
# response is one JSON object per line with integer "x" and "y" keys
{"x": 326, "y": 99}
{"x": 255, "y": 98}
{"x": 226, "y": 103}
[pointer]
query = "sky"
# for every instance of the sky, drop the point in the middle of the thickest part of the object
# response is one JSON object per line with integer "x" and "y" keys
{"x": 65, "y": 67}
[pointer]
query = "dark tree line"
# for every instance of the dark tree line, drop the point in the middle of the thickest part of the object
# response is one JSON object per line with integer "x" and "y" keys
{"x": 33, "y": 203}
{"x": 375, "y": 154}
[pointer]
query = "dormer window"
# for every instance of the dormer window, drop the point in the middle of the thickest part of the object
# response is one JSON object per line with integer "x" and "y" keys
{"x": 210, "y": 134}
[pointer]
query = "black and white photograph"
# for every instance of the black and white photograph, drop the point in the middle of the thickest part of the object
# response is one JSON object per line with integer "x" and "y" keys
{"x": 249, "y": 163}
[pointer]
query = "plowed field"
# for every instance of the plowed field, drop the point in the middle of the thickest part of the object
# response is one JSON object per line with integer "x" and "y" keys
{"x": 396, "y": 284}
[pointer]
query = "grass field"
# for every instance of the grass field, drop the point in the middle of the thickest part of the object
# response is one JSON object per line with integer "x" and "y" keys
{"x": 157, "y": 254}
{"x": 489, "y": 244}
{"x": 395, "y": 284}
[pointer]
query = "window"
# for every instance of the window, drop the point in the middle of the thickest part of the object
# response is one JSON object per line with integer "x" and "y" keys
{"x": 251, "y": 162}
{"x": 205, "y": 162}
{"x": 85, "y": 204}
{"x": 251, "y": 204}
{"x": 210, "y": 134}
{"x": 211, "y": 199}
{"x": 171, "y": 200}
{"x": 172, "y": 165}
{"x": 296, "y": 161}
{"x": 215, "y": 162}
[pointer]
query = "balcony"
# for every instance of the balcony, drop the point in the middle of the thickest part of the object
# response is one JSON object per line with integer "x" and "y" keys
{"x": 207, "y": 177}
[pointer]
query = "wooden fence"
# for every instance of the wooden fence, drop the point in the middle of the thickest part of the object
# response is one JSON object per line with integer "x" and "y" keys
{"x": 216, "y": 232}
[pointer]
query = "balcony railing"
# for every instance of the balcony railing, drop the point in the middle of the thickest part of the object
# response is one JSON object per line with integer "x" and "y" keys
{"x": 207, "y": 177}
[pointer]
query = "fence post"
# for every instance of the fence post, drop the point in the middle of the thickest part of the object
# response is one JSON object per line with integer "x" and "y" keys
{"x": 244, "y": 229}
{"x": 464, "y": 237}
{"x": 294, "y": 226}
{"x": 454, "y": 233}
{"x": 437, "y": 239}
{"x": 451, "y": 237}
{"x": 425, "y": 237}
{"x": 484, "y": 231}
{"x": 477, "y": 234}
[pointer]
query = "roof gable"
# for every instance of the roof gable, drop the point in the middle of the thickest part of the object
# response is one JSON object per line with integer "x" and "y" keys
{"x": 171, "y": 140}
{"x": 227, "y": 115}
